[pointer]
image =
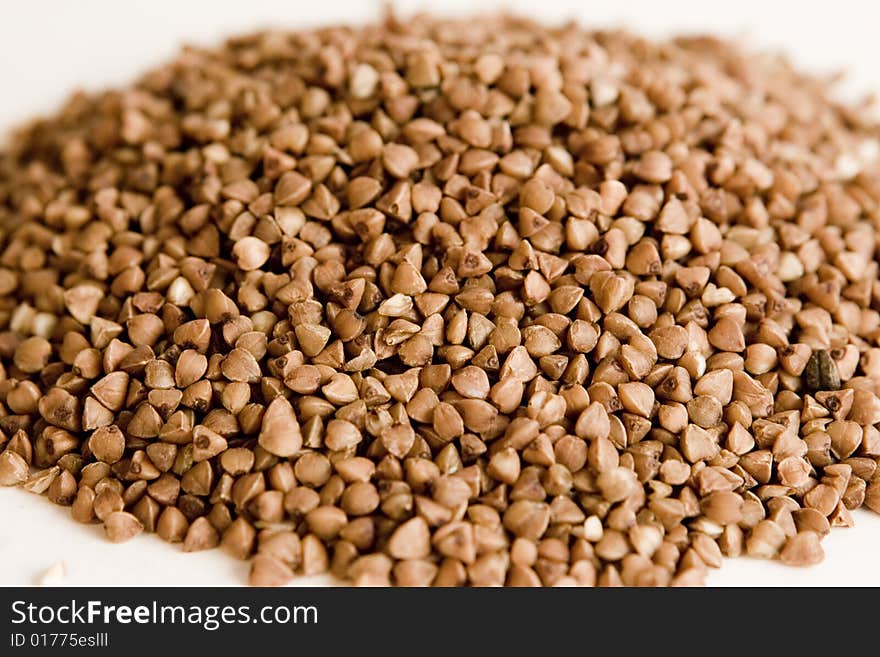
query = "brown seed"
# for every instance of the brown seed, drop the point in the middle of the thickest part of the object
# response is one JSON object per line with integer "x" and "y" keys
{"x": 820, "y": 372}
{"x": 240, "y": 365}
{"x": 326, "y": 521}
{"x": 239, "y": 538}
{"x": 63, "y": 489}
{"x": 121, "y": 526}
{"x": 292, "y": 188}
{"x": 670, "y": 341}
{"x": 108, "y": 501}
{"x": 191, "y": 366}
{"x": 112, "y": 390}
{"x": 447, "y": 421}
{"x": 359, "y": 499}
{"x": 60, "y": 408}
{"x": 723, "y": 507}
{"x": 206, "y": 443}
{"x": 201, "y": 535}
{"x": 727, "y": 335}
{"x": 304, "y": 379}
{"x": 172, "y": 525}
{"x": 82, "y": 508}
{"x": 312, "y": 338}
{"x": 697, "y": 444}
{"x": 107, "y": 444}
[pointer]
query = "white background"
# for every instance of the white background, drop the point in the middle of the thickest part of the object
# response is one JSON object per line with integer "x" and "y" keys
{"x": 49, "y": 48}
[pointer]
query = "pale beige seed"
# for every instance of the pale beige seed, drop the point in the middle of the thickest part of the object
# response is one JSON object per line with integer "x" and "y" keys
{"x": 617, "y": 484}
{"x": 371, "y": 570}
{"x": 872, "y": 496}
{"x": 39, "y": 482}
{"x": 723, "y": 507}
{"x": 399, "y": 160}
{"x": 201, "y": 535}
{"x": 53, "y": 575}
{"x": 802, "y": 549}
{"x": 82, "y": 302}
{"x": 326, "y": 521}
{"x": 411, "y": 540}
{"x": 13, "y": 469}
{"x": 415, "y": 572}
{"x": 398, "y": 439}
{"x": 32, "y": 354}
{"x": 250, "y": 253}
{"x": 280, "y": 432}
{"x": 363, "y": 81}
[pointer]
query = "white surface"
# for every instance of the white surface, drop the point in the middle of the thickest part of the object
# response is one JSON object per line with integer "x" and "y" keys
{"x": 48, "y": 48}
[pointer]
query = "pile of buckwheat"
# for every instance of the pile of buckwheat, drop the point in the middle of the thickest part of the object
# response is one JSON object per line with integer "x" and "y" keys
{"x": 445, "y": 302}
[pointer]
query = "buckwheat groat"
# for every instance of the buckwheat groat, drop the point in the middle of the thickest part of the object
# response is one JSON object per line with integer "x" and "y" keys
{"x": 449, "y": 303}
